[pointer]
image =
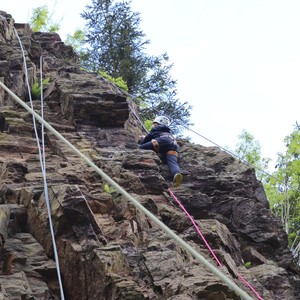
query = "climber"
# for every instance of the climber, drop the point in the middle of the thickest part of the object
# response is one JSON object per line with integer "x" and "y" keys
{"x": 160, "y": 140}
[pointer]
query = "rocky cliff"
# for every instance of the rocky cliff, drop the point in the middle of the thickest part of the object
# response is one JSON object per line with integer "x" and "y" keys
{"x": 107, "y": 248}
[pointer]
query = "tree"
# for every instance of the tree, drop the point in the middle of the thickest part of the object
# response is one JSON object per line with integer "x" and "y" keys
{"x": 76, "y": 40}
{"x": 282, "y": 186}
{"x": 116, "y": 42}
{"x": 283, "y": 190}
{"x": 249, "y": 150}
{"x": 170, "y": 106}
{"x": 41, "y": 20}
{"x": 117, "y": 46}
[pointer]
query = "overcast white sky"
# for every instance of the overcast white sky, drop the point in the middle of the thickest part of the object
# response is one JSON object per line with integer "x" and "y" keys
{"x": 236, "y": 62}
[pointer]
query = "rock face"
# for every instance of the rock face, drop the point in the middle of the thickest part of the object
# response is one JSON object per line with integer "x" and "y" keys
{"x": 107, "y": 248}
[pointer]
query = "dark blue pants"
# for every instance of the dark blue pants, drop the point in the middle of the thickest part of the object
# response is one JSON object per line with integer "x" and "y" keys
{"x": 171, "y": 160}
{"x": 172, "y": 164}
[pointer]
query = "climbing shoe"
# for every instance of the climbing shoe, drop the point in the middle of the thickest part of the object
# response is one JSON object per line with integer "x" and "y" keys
{"x": 177, "y": 180}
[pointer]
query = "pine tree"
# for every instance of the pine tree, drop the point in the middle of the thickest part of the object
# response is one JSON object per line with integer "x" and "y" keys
{"x": 115, "y": 41}
{"x": 117, "y": 46}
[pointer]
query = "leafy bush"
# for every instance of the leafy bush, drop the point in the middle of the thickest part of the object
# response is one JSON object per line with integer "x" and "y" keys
{"x": 41, "y": 20}
{"x": 36, "y": 88}
{"x": 148, "y": 124}
{"x": 108, "y": 189}
{"x": 117, "y": 81}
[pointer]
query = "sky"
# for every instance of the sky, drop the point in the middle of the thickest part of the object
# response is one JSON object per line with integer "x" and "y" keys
{"x": 236, "y": 62}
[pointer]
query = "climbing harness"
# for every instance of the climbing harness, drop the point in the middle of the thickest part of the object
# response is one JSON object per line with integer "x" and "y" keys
{"x": 155, "y": 145}
{"x": 170, "y": 136}
{"x": 172, "y": 152}
{"x": 135, "y": 202}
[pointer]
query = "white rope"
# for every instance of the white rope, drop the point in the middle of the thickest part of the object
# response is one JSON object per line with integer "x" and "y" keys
{"x": 42, "y": 114}
{"x": 135, "y": 202}
{"x": 42, "y": 161}
{"x": 243, "y": 160}
{"x": 137, "y": 117}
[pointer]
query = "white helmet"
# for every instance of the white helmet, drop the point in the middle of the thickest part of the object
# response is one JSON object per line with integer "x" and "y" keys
{"x": 162, "y": 120}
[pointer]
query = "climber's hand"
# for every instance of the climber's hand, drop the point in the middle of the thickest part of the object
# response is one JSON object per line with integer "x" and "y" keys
{"x": 141, "y": 138}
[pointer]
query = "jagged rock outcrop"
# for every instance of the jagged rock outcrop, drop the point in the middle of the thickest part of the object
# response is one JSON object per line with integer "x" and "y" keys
{"x": 107, "y": 248}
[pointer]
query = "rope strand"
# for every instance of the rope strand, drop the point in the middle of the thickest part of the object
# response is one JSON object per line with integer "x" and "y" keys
{"x": 42, "y": 161}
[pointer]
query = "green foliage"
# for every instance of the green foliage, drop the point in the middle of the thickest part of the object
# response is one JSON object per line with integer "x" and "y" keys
{"x": 283, "y": 187}
{"x": 249, "y": 150}
{"x": 108, "y": 189}
{"x": 117, "y": 81}
{"x": 36, "y": 88}
{"x": 116, "y": 44}
{"x": 247, "y": 264}
{"x": 76, "y": 40}
{"x": 41, "y": 20}
{"x": 148, "y": 124}
{"x": 38, "y": 18}
{"x": 292, "y": 236}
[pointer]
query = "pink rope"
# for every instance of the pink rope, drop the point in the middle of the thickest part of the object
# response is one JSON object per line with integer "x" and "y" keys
{"x": 250, "y": 287}
{"x": 207, "y": 245}
{"x": 195, "y": 225}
